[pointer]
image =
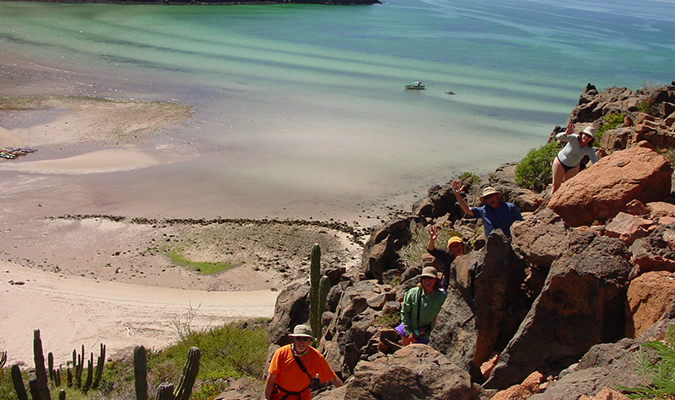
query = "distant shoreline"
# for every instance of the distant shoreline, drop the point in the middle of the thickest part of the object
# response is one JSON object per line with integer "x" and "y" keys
{"x": 207, "y": 2}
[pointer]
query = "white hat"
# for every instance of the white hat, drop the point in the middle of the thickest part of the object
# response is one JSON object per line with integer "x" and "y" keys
{"x": 302, "y": 331}
{"x": 590, "y": 131}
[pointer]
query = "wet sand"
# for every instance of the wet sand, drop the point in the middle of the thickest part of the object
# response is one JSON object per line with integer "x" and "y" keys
{"x": 83, "y": 276}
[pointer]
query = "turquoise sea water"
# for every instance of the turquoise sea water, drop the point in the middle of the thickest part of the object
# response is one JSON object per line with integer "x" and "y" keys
{"x": 310, "y": 98}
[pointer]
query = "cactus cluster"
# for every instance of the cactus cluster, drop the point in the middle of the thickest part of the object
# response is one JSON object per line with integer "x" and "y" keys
{"x": 318, "y": 291}
{"x": 165, "y": 391}
{"x": 39, "y": 385}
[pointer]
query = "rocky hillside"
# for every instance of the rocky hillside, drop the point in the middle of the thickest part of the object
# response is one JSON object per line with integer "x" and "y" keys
{"x": 555, "y": 313}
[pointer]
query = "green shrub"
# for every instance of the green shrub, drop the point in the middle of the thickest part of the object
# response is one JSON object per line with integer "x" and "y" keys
{"x": 413, "y": 251}
{"x": 669, "y": 154}
{"x": 235, "y": 350}
{"x": 534, "y": 171}
{"x": 475, "y": 179}
{"x": 609, "y": 121}
{"x": 646, "y": 105}
{"x": 661, "y": 372}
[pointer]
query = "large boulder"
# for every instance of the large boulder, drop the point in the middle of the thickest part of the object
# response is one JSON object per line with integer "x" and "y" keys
{"x": 582, "y": 304}
{"x": 351, "y": 327}
{"x": 649, "y": 296}
{"x": 379, "y": 253}
{"x": 601, "y": 191}
{"x": 414, "y": 372}
{"x": 541, "y": 238}
{"x": 455, "y": 332}
{"x": 291, "y": 309}
{"x": 499, "y": 299}
{"x": 655, "y": 252}
{"x": 605, "y": 365}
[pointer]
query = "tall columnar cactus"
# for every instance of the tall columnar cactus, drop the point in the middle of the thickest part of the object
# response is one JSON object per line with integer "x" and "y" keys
{"x": 141, "y": 372}
{"x": 314, "y": 281}
{"x": 187, "y": 381}
{"x": 90, "y": 374}
{"x": 78, "y": 360}
{"x": 164, "y": 391}
{"x": 324, "y": 288}
{"x": 34, "y": 388}
{"x": 17, "y": 379}
{"x": 50, "y": 366}
{"x": 99, "y": 367}
{"x": 57, "y": 377}
{"x": 40, "y": 371}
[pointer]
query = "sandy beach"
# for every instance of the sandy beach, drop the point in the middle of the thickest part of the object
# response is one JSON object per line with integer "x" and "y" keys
{"x": 85, "y": 278}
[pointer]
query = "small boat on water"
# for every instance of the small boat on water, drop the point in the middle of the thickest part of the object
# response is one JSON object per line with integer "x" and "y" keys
{"x": 416, "y": 85}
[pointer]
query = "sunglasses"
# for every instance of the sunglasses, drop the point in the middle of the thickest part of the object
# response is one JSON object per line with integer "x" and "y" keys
{"x": 302, "y": 339}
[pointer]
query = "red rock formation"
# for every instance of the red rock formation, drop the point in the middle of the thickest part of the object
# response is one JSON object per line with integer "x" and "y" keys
{"x": 648, "y": 296}
{"x": 603, "y": 190}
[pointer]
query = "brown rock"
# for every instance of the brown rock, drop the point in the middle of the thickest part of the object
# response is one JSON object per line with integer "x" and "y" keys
{"x": 540, "y": 238}
{"x": 661, "y": 209}
{"x": 415, "y": 371}
{"x": 603, "y": 190}
{"x": 636, "y": 207}
{"x": 652, "y": 253}
{"x": 515, "y": 392}
{"x": 628, "y": 227}
{"x": 533, "y": 381}
{"x": 489, "y": 365}
{"x": 670, "y": 120}
{"x": 648, "y": 297}
{"x": 581, "y": 304}
{"x": 609, "y": 394}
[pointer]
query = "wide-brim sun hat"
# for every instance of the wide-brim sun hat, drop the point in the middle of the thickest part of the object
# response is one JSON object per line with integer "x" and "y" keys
{"x": 590, "y": 131}
{"x": 488, "y": 191}
{"x": 302, "y": 331}
{"x": 455, "y": 239}
{"x": 429, "y": 272}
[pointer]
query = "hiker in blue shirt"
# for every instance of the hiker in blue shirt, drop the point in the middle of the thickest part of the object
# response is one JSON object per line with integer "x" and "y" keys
{"x": 496, "y": 214}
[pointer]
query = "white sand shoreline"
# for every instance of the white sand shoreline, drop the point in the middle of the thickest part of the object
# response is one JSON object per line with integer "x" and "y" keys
{"x": 72, "y": 311}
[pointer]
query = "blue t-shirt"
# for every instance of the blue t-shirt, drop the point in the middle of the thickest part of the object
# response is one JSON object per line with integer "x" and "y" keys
{"x": 501, "y": 217}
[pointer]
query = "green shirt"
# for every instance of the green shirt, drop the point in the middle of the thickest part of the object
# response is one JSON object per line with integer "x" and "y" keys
{"x": 427, "y": 306}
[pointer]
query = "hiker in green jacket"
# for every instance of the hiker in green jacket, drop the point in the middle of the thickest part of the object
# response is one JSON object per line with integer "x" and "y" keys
{"x": 420, "y": 307}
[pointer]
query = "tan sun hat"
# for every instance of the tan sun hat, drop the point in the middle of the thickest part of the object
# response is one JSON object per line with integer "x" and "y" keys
{"x": 302, "y": 331}
{"x": 590, "y": 131}
{"x": 489, "y": 191}
{"x": 429, "y": 272}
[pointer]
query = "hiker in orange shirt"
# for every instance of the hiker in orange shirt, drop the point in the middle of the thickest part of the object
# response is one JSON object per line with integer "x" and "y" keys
{"x": 293, "y": 366}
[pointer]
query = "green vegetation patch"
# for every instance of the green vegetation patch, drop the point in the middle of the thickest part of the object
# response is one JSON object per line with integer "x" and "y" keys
{"x": 534, "y": 171}
{"x": 413, "y": 251}
{"x": 609, "y": 121}
{"x": 659, "y": 370}
{"x": 475, "y": 179}
{"x": 229, "y": 352}
{"x": 204, "y": 267}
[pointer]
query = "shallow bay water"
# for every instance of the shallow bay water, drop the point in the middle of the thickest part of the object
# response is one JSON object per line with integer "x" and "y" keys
{"x": 300, "y": 111}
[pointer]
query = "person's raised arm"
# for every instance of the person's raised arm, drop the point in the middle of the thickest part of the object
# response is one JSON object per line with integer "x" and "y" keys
{"x": 457, "y": 189}
{"x": 563, "y": 135}
{"x": 433, "y": 235}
